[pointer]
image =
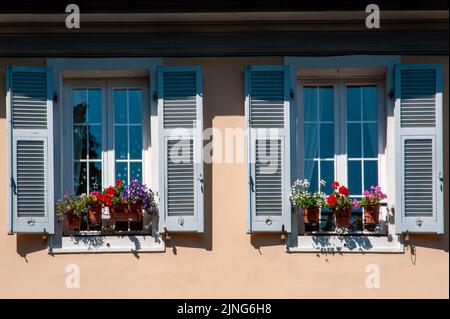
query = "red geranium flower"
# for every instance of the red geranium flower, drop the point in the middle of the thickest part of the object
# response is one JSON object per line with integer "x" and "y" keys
{"x": 335, "y": 185}
{"x": 118, "y": 182}
{"x": 332, "y": 201}
{"x": 343, "y": 191}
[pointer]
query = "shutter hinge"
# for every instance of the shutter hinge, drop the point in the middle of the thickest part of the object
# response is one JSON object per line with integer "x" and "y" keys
{"x": 391, "y": 95}
{"x": 55, "y": 97}
{"x": 292, "y": 95}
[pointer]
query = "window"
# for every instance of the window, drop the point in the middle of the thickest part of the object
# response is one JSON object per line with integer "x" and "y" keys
{"x": 108, "y": 124}
{"x": 340, "y": 132}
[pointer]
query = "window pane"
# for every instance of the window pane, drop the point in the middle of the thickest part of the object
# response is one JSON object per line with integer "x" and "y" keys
{"x": 80, "y": 178}
{"x": 370, "y": 103}
{"x": 326, "y": 140}
{"x": 135, "y": 103}
{"x": 311, "y": 140}
{"x": 95, "y": 176}
{"x": 79, "y": 106}
{"x": 326, "y": 103}
{"x": 95, "y": 141}
{"x": 121, "y": 145}
{"x": 353, "y": 103}
{"x": 370, "y": 174}
{"x": 136, "y": 171}
{"x": 370, "y": 133}
{"x": 79, "y": 142}
{"x": 311, "y": 173}
{"x": 135, "y": 142}
{"x": 327, "y": 174}
{"x": 354, "y": 140}
{"x": 122, "y": 172}
{"x": 120, "y": 106}
{"x": 94, "y": 106}
{"x": 354, "y": 177}
{"x": 310, "y": 103}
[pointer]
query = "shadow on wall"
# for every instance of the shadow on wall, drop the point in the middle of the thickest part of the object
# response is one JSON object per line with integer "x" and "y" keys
{"x": 29, "y": 243}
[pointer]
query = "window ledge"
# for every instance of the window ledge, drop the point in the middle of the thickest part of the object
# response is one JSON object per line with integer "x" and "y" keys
{"x": 108, "y": 244}
{"x": 345, "y": 244}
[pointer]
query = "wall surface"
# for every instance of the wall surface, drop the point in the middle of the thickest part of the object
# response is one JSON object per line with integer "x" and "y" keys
{"x": 224, "y": 261}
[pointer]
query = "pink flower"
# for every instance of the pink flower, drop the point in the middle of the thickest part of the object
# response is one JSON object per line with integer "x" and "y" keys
{"x": 355, "y": 203}
{"x": 372, "y": 197}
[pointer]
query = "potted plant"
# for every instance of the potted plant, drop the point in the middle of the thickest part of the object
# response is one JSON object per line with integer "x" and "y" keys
{"x": 72, "y": 208}
{"x": 311, "y": 203}
{"x": 371, "y": 204}
{"x": 128, "y": 203}
{"x": 94, "y": 205}
{"x": 340, "y": 204}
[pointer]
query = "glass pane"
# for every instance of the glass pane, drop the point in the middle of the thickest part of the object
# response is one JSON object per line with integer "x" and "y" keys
{"x": 326, "y": 140}
{"x": 134, "y": 97}
{"x": 353, "y": 103}
{"x": 370, "y": 103}
{"x": 121, "y": 145}
{"x": 122, "y": 172}
{"x": 310, "y": 103}
{"x": 95, "y": 141}
{"x": 79, "y": 106}
{"x": 354, "y": 140}
{"x": 94, "y": 106}
{"x": 95, "y": 175}
{"x": 135, "y": 142}
{"x": 370, "y": 174}
{"x": 326, "y": 103}
{"x": 80, "y": 178}
{"x": 120, "y": 106}
{"x": 370, "y": 132}
{"x": 354, "y": 177}
{"x": 311, "y": 173}
{"x": 79, "y": 142}
{"x": 311, "y": 140}
{"x": 136, "y": 171}
{"x": 327, "y": 174}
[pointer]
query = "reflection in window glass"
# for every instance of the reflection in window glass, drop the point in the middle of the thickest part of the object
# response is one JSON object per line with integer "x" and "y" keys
{"x": 128, "y": 134}
{"x": 87, "y": 139}
{"x": 362, "y": 138}
{"x": 318, "y": 133}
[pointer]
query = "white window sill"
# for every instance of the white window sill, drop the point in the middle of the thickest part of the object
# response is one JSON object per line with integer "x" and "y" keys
{"x": 345, "y": 244}
{"x": 107, "y": 244}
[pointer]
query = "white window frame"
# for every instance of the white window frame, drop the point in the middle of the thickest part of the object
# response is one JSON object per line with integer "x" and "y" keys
{"x": 357, "y": 69}
{"x": 340, "y": 130}
{"x": 96, "y": 69}
{"x": 108, "y": 132}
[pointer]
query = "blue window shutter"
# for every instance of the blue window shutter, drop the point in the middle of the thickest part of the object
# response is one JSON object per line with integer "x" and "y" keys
{"x": 180, "y": 112}
{"x": 419, "y": 149}
{"x": 30, "y": 161}
{"x": 267, "y": 109}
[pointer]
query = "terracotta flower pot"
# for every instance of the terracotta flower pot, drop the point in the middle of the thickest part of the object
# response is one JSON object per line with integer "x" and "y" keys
{"x": 372, "y": 214}
{"x": 343, "y": 216}
{"x": 95, "y": 214}
{"x": 311, "y": 214}
{"x": 126, "y": 212}
{"x": 73, "y": 221}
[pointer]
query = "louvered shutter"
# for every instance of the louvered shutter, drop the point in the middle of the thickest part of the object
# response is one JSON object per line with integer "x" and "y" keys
{"x": 30, "y": 165}
{"x": 181, "y": 115}
{"x": 418, "y": 112}
{"x": 267, "y": 114}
